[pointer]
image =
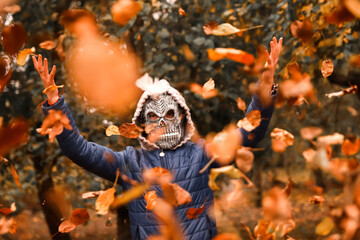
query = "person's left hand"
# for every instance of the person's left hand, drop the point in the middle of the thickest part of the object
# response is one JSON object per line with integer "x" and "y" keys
{"x": 267, "y": 78}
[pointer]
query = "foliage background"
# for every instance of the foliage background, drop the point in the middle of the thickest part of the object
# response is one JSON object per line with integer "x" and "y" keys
{"x": 158, "y": 34}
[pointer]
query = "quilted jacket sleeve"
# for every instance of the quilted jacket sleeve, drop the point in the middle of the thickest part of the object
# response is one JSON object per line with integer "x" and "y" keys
{"x": 258, "y": 133}
{"x": 95, "y": 158}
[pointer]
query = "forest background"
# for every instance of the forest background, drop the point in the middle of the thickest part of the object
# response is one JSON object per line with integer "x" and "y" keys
{"x": 169, "y": 39}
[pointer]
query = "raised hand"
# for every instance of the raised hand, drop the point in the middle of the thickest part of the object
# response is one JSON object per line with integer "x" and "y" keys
{"x": 46, "y": 78}
{"x": 267, "y": 78}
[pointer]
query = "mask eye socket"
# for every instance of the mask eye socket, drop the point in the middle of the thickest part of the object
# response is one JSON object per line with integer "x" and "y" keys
{"x": 152, "y": 116}
{"x": 170, "y": 114}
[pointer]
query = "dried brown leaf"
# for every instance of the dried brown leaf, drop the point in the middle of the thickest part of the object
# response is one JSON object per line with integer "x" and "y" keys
{"x": 232, "y": 54}
{"x": 281, "y": 139}
{"x": 327, "y": 67}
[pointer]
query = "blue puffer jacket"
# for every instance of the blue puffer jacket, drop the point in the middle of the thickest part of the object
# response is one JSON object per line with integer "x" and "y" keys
{"x": 184, "y": 162}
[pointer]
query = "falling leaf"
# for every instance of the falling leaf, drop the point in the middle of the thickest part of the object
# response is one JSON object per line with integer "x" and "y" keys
{"x": 349, "y": 147}
{"x": 241, "y": 104}
{"x": 15, "y": 175}
{"x": 54, "y": 124}
{"x": 251, "y": 121}
{"x": 51, "y": 88}
{"x": 335, "y": 138}
{"x": 350, "y": 90}
{"x": 288, "y": 187}
{"x": 309, "y": 133}
{"x": 130, "y": 195}
{"x": 224, "y": 29}
{"x": 66, "y": 226}
{"x": 276, "y": 205}
{"x": 309, "y": 155}
{"x": 231, "y": 171}
{"x": 207, "y": 90}
{"x": 175, "y": 195}
{"x": 303, "y": 30}
{"x": 157, "y": 175}
{"x": 104, "y": 201}
{"x": 327, "y": 67}
{"x": 227, "y": 236}
{"x": 5, "y": 66}
{"x": 193, "y": 213}
{"x": 5, "y": 225}
{"x": 186, "y": 51}
{"x": 91, "y": 194}
{"x": 124, "y": 10}
{"x": 150, "y": 198}
{"x": 355, "y": 61}
{"x": 258, "y": 66}
{"x": 182, "y": 12}
{"x": 15, "y": 133}
{"x": 23, "y": 55}
{"x": 48, "y": 45}
{"x": 12, "y": 9}
{"x": 130, "y": 130}
{"x": 13, "y": 38}
{"x": 79, "y": 216}
{"x": 346, "y": 11}
{"x": 281, "y": 139}
{"x": 112, "y": 130}
{"x": 244, "y": 159}
{"x": 325, "y": 226}
{"x": 223, "y": 145}
{"x": 261, "y": 230}
{"x": 5, "y": 211}
{"x": 232, "y": 54}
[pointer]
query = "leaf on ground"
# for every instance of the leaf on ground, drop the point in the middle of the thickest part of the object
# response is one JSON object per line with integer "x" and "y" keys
{"x": 327, "y": 68}
{"x": 150, "y": 198}
{"x": 309, "y": 133}
{"x": 352, "y": 89}
{"x": 66, "y": 226}
{"x": 54, "y": 124}
{"x": 130, "y": 130}
{"x": 193, "y": 213}
{"x": 206, "y": 91}
{"x": 124, "y": 10}
{"x": 281, "y": 139}
{"x": 232, "y": 54}
{"x": 325, "y": 226}
{"x": 79, "y": 216}
{"x": 15, "y": 133}
{"x": 23, "y": 55}
{"x": 15, "y": 176}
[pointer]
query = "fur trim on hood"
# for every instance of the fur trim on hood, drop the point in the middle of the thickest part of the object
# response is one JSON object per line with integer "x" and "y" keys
{"x": 153, "y": 88}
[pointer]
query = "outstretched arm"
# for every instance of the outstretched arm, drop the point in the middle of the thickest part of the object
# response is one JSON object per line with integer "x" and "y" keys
{"x": 263, "y": 99}
{"x": 95, "y": 158}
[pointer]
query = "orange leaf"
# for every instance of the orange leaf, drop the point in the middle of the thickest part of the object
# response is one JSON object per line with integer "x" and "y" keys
{"x": 244, "y": 159}
{"x": 327, "y": 67}
{"x": 281, "y": 139}
{"x": 104, "y": 201}
{"x": 54, "y": 124}
{"x": 182, "y": 12}
{"x": 150, "y": 198}
{"x": 241, "y": 104}
{"x": 175, "y": 195}
{"x": 15, "y": 175}
{"x": 13, "y": 38}
{"x": 66, "y": 226}
{"x": 51, "y": 88}
{"x": 23, "y": 54}
{"x": 13, "y": 134}
{"x": 5, "y": 66}
{"x": 303, "y": 30}
{"x": 350, "y": 90}
{"x": 335, "y": 138}
{"x": 112, "y": 130}
{"x": 48, "y": 45}
{"x": 79, "y": 216}
{"x": 5, "y": 211}
{"x": 157, "y": 175}
{"x": 193, "y": 213}
{"x": 227, "y": 236}
{"x": 349, "y": 147}
{"x": 232, "y": 54}
{"x": 317, "y": 199}
{"x": 309, "y": 133}
{"x": 251, "y": 121}
{"x": 206, "y": 91}
{"x": 130, "y": 130}
{"x": 124, "y": 10}
{"x": 224, "y": 29}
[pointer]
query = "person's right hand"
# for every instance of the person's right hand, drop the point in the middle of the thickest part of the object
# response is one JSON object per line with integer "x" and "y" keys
{"x": 47, "y": 79}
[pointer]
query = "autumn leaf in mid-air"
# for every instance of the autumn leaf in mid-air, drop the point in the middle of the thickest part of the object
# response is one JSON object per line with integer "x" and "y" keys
{"x": 251, "y": 121}
{"x": 130, "y": 130}
{"x": 350, "y": 146}
{"x": 236, "y": 55}
{"x": 48, "y": 44}
{"x": 193, "y": 213}
{"x": 335, "y": 138}
{"x": 106, "y": 198}
{"x": 224, "y": 29}
{"x": 175, "y": 195}
{"x": 150, "y": 198}
{"x": 15, "y": 175}
{"x": 79, "y": 216}
{"x": 303, "y": 30}
{"x": 54, "y": 124}
{"x": 241, "y": 104}
{"x": 281, "y": 139}
{"x": 157, "y": 175}
{"x": 23, "y": 55}
{"x": 13, "y": 38}
{"x": 309, "y": 133}
{"x": 5, "y": 70}
{"x": 15, "y": 133}
{"x": 244, "y": 159}
{"x": 129, "y": 195}
{"x": 327, "y": 67}
{"x": 124, "y": 10}
{"x": 345, "y": 11}
{"x": 207, "y": 90}
{"x": 231, "y": 171}
{"x": 182, "y": 12}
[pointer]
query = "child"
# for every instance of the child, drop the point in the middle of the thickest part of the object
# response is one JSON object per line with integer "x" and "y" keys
{"x": 163, "y": 106}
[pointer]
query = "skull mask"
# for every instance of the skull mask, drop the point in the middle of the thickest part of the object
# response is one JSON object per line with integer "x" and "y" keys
{"x": 163, "y": 113}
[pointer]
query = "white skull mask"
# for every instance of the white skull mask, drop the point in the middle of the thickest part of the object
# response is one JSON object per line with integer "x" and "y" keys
{"x": 163, "y": 112}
